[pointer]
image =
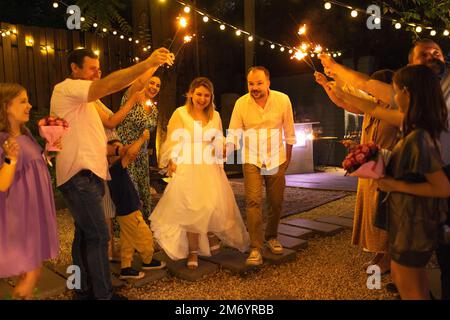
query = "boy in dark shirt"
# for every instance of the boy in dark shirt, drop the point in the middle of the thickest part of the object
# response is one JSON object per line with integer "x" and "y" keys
{"x": 135, "y": 234}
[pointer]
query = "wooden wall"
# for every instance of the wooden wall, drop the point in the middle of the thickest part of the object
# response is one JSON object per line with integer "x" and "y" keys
{"x": 38, "y": 70}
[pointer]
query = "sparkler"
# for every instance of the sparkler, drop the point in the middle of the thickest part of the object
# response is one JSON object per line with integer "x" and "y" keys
{"x": 182, "y": 23}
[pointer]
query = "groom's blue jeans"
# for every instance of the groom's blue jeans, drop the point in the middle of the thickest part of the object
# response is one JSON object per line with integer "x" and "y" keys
{"x": 83, "y": 195}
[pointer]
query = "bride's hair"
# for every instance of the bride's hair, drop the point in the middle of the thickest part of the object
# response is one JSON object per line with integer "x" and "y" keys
{"x": 201, "y": 82}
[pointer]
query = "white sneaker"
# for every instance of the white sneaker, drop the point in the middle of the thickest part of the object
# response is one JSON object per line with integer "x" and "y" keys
{"x": 255, "y": 258}
{"x": 275, "y": 246}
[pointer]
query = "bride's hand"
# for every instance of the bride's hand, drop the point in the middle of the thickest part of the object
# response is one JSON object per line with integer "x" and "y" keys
{"x": 172, "y": 168}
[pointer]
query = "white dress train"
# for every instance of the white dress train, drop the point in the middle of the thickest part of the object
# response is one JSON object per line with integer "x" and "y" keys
{"x": 198, "y": 199}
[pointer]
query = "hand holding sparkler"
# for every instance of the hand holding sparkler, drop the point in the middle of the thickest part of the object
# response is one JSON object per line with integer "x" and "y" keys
{"x": 328, "y": 62}
{"x": 160, "y": 57}
{"x": 321, "y": 78}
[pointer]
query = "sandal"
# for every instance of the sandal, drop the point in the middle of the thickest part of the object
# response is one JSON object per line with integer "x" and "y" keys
{"x": 192, "y": 264}
{"x": 214, "y": 244}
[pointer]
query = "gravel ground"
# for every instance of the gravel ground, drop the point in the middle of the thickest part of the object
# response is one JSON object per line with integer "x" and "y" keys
{"x": 330, "y": 268}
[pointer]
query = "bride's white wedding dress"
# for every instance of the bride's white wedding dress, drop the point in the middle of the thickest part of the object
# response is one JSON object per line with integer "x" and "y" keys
{"x": 198, "y": 199}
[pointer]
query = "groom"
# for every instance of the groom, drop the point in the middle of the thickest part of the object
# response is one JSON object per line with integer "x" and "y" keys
{"x": 259, "y": 117}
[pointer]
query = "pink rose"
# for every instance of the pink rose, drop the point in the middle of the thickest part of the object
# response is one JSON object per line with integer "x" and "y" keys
{"x": 361, "y": 158}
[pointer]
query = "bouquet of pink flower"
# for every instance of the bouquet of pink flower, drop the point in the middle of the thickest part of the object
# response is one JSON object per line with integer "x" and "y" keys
{"x": 366, "y": 161}
{"x": 52, "y": 129}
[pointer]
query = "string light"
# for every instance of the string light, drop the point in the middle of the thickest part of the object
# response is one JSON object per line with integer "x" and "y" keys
{"x": 446, "y": 33}
{"x": 187, "y": 9}
{"x": 250, "y": 37}
{"x": 95, "y": 24}
{"x": 397, "y": 25}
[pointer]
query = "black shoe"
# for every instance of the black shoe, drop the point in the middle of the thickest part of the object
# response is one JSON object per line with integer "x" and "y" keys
{"x": 130, "y": 273}
{"x": 391, "y": 287}
{"x": 154, "y": 265}
{"x": 116, "y": 296}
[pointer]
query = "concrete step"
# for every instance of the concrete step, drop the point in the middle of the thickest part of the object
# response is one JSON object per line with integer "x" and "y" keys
{"x": 230, "y": 259}
{"x": 5, "y": 290}
{"x": 321, "y": 228}
{"x": 50, "y": 284}
{"x": 150, "y": 276}
{"x": 339, "y": 221}
{"x": 348, "y": 215}
{"x": 180, "y": 270}
{"x": 270, "y": 258}
{"x": 294, "y": 231}
{"x": 292, "y": 243}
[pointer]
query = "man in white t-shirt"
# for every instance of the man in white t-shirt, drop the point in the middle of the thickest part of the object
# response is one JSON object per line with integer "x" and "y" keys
{"x": 261, "y": 118}
{"x": 81, "y": 166}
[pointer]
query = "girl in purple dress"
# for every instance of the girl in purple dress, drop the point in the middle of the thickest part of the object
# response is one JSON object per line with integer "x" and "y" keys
{"x": 28, "y": 232}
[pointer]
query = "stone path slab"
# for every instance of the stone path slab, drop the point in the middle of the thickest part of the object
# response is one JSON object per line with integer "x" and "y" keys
{"x": 150, "y": 276}
{"x": 292, "y": 243}
{"x": 180, "y": 270}
{"x": 270, "y": 258}
{"x": 295, "y": 232}
{"x": 348, "y": 215}
{"x": 5, "y": 290}
{"x": 231, "y": 260}
{"x": 50, "y": 284}
{"x": 343, "y": 222}
{"x": 321, "y": 228}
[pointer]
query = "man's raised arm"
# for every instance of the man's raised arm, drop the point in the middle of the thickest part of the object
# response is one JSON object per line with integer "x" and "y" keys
{"x": 121, "y": 79}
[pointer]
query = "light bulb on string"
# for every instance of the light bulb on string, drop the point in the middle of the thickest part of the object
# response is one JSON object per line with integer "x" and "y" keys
{"x": 205, "y": 19}
{"x": 272, "y": 46}
{"x": 222, "y": 27}
{"x": 238, "y": 33}
{"x": 398, "y": 26}
{"x": 250, "y": 38}
{"x": 327, "y": 5}
{"x": 187, "y": 9}
{"x": 82, "y": 19}
{"x": 95, "y": 25}
{"x": 433, "y": 33}
{"x": 55, "y": 5}
{"x": 446, "y": 33}
{"x": 354, "y": 13}
{"x": 419, "y": 29}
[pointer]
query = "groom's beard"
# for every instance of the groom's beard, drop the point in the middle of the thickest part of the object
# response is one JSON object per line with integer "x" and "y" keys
{"x": 438, "y": 66}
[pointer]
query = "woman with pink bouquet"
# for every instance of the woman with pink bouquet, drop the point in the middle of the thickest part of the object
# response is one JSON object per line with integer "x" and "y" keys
{"x": 383, "y": 134}
{"x": 416, "y": 207}
{"x": 28, "y": 231}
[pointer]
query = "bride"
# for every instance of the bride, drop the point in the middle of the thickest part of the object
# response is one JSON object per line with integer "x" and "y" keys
{"x": 198, "y": 203}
